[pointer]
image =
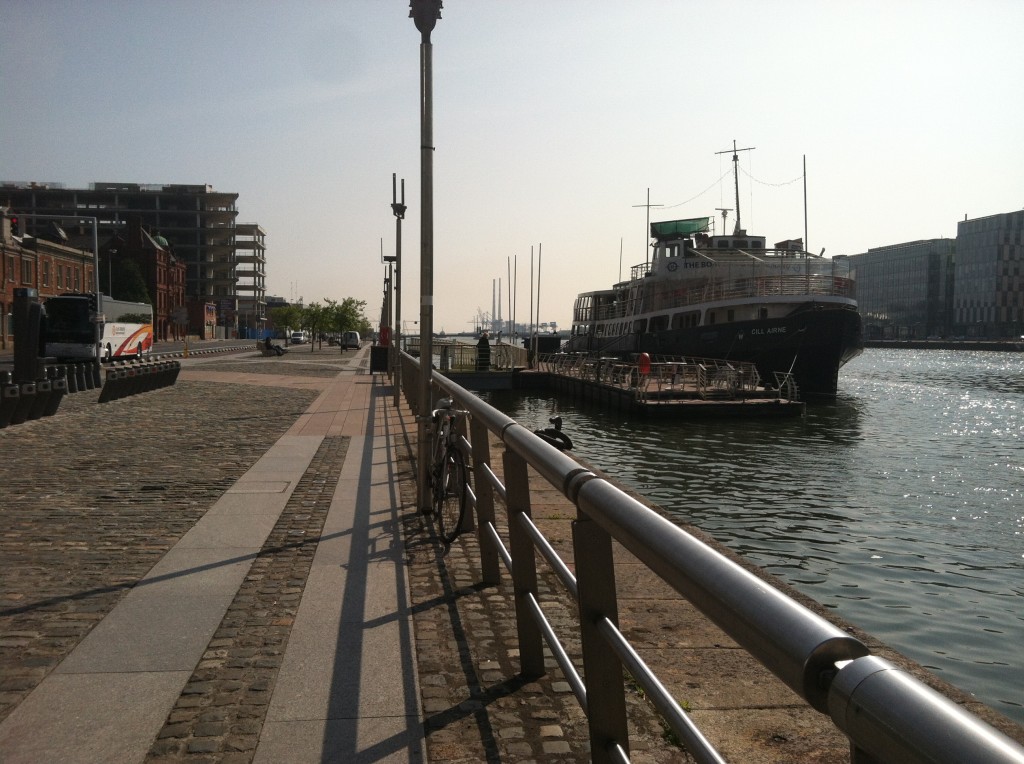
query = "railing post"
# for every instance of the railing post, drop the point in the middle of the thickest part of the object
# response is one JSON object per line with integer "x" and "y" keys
{"x": 524, "y": 565}
{"x": 489, "y": 562}
{"x": 606, "y": 694}
{"x": 468, "y": 518}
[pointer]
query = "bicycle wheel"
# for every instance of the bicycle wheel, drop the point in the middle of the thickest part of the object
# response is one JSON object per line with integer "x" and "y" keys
{"x": 453, "y": 495}
{"x": 436, "y": 470}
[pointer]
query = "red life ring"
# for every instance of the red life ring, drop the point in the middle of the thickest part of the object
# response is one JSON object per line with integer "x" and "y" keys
{"x": 644, "y": 364}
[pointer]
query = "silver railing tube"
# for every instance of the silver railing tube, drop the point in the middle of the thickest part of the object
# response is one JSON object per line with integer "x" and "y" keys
{"x": 891, "y": 716}
{"x": 799, "y": 647}
{"x": 888, "y": 715}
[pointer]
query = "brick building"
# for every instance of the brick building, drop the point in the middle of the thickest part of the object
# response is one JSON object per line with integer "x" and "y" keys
{"x": 225, "y": 260}
{"x": 162, "y": 272}
{"x": 49, "y": 267}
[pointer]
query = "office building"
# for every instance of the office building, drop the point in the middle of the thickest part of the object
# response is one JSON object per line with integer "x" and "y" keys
{"x": 988, "y": 296}
{"x": 903, "y": 290}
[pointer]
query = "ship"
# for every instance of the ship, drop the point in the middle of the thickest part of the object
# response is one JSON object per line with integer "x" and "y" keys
{"x": 729, "y": 297}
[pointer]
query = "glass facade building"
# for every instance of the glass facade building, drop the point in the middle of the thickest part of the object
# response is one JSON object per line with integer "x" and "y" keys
{"x": 988, "y": 296}
{"x": 904, "y": 290}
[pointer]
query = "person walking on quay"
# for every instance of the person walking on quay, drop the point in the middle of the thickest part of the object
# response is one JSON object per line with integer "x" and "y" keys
{"x": 483, "y": 353}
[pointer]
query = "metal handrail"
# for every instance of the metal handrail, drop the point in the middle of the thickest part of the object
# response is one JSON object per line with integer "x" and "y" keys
{"x": 888, "y": 715}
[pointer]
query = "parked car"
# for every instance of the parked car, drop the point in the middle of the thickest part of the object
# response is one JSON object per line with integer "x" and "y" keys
{"x": 350, "y": 340}
{"x": 298, "y": 338}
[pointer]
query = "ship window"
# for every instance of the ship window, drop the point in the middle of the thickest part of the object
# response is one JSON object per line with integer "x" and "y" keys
{"x": 685, "y": 320}
{"x": 730, "y": 315}
{"x": 723, "y": 244}
{"x": 640, "y": 325}
{"x": 711, "y": 317}
{"x": 659, "y": 323}
{"x": 741, "y": 244}
{"x": 763, "y": 313}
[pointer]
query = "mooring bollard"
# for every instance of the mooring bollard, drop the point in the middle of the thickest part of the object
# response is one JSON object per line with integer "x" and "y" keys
{"x": 80, "y": 377}
{"x": 44, "y": 389}
{"x": 109, "y": 391}
{"x": 26, "y": 397}
{"x": 130, "y": 383}
{"x": 8, "y": 398}
{"x": 58, "y": 388}
{"x": 165, "y": 373}
{"x": 68, "y": 372}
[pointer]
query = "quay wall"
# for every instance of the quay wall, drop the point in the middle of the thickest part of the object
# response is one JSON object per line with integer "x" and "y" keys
{"x": 1001, "y": 346}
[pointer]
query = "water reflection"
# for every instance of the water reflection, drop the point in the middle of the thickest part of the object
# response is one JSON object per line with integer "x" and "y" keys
{"x": 901, "y": 504}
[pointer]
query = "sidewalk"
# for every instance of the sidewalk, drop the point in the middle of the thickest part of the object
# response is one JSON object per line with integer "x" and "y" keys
{"x": 233, "y": 570}
{"x": 278, "y": 624}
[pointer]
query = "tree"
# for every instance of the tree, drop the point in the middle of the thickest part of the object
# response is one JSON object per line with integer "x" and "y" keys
{"x": 345, "y": 316}
{"x": 132, "y": 318}
{"x": 315, "y": 318}
{"x": 127, "y": 282}
{"x": 286, "y": 318}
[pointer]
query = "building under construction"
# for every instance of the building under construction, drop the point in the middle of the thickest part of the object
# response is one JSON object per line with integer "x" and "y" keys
{"x": 225, "y": 260}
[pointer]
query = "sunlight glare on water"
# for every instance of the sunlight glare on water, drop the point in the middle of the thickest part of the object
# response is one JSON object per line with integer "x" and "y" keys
{"x": 901, "y": 505}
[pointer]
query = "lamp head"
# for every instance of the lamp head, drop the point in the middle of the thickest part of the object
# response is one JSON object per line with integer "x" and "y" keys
{"x": 425, "y": 14}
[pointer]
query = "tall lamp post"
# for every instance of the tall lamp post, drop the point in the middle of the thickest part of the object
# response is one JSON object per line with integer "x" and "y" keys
{"x": 398, "y": 208}
{"x": 425, "y": 14}
{"x": 110, "y": 272}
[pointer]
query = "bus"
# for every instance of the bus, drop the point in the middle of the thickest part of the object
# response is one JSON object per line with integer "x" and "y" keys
{"x": 125, "y": 328}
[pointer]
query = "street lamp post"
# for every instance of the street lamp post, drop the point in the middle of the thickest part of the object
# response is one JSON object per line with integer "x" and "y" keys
{"x": 110, "y": 272}
{"x": 425, "y": 14}
{"x": 398, "y": 208}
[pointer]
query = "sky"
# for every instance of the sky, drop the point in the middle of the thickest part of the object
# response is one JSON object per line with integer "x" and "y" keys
{"x": 554, "y": 123}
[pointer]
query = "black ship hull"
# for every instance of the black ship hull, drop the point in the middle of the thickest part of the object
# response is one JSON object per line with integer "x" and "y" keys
{"x": 812, "y": 342}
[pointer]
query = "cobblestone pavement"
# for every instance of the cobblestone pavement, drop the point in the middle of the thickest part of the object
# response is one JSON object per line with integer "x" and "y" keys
{"x": 94, "y": 496}
{"x": 324, "y": 368}
{"x": 477, "y": 707}
{"x": 220, "y": 713}
{"x": 75, "y": 542}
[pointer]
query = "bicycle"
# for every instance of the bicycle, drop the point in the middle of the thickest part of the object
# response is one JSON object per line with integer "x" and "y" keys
{"x": 449, "y": 476}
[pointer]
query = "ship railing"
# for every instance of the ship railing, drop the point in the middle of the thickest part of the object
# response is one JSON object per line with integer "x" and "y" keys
{"x": 606, "y": 312}
{"x": 887, "y": 714}
{"x": 639, "y": 271}
{"x": 707, "y": 377}
{"x": 506, "y": 356}
{"x": 453, "y": 355}
{"x": 758, "y": 286}
{"x": 785, "y": 383}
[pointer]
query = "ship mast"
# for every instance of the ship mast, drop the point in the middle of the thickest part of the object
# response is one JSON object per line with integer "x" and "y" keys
{"x": 736, "y": 179}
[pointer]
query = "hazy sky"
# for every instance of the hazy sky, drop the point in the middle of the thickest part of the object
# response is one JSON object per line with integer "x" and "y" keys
{"x": 551, "y": 120}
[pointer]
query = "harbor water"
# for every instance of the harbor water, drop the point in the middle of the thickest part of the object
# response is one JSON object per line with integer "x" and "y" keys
{"x": 901, "y": 506}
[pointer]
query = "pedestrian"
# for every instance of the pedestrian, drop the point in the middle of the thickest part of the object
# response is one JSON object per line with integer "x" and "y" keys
{"x": 483, "y": 352}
